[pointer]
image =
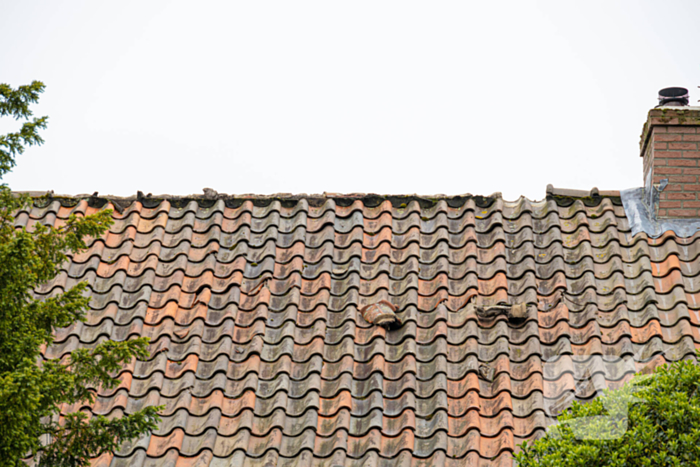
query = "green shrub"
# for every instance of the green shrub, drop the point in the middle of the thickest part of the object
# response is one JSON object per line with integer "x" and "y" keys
{"x": 654, "y": 420}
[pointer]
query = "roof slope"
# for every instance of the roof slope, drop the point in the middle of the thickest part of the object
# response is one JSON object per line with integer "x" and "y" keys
{"x": 261, "y": 356}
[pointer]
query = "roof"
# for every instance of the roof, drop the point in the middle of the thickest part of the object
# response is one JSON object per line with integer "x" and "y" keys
{"x": 262, "y": 358}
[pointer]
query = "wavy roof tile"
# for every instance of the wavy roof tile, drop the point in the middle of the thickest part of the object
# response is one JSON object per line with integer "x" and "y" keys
{"x": 262, "y": 358}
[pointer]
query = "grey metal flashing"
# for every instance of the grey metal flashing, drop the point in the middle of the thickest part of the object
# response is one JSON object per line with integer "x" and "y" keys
{"x": 642, "y": 220}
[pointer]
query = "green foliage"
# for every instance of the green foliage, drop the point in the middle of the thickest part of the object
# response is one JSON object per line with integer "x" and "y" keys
{"x": 15, "y": 103}
{"x": 33, "y": 388}
{"x": 654, "y": 420}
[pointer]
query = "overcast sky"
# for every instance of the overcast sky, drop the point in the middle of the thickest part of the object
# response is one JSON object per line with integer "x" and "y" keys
{"x": 356, "y": 96}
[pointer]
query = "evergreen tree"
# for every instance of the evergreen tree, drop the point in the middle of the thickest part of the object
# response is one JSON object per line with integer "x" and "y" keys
{"x": 33, "y": 388}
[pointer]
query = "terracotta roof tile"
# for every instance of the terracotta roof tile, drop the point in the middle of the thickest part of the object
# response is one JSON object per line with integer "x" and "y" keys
{"x": 261, "y": 356}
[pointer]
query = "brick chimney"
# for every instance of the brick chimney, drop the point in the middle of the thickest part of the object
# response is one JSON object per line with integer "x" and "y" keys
{"x": 670, "y": 146}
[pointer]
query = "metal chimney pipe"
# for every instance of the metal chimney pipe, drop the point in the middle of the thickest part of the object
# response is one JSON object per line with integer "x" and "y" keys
{"x": 674, "y": 96}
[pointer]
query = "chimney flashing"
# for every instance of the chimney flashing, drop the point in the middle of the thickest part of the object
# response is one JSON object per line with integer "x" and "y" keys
{"x": 642, "y": 220}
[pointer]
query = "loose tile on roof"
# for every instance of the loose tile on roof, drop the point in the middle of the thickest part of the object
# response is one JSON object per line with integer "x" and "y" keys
{"x": 261, "y": 357}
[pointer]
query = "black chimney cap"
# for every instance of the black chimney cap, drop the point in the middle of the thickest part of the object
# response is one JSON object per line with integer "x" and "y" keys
{"x": 674, "y": 96}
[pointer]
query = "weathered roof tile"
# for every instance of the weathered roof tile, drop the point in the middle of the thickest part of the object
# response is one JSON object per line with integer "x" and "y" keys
{"x": 261, "y": 357}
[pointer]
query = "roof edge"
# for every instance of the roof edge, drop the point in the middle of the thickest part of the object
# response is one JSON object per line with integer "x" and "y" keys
{"x": 211, "y": 196}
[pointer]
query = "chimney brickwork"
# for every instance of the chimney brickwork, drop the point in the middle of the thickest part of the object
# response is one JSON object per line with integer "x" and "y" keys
{"x": 670, "y": 146}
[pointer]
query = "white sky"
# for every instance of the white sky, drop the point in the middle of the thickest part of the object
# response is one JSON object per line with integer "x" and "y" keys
{"x": 364, "y": 96}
